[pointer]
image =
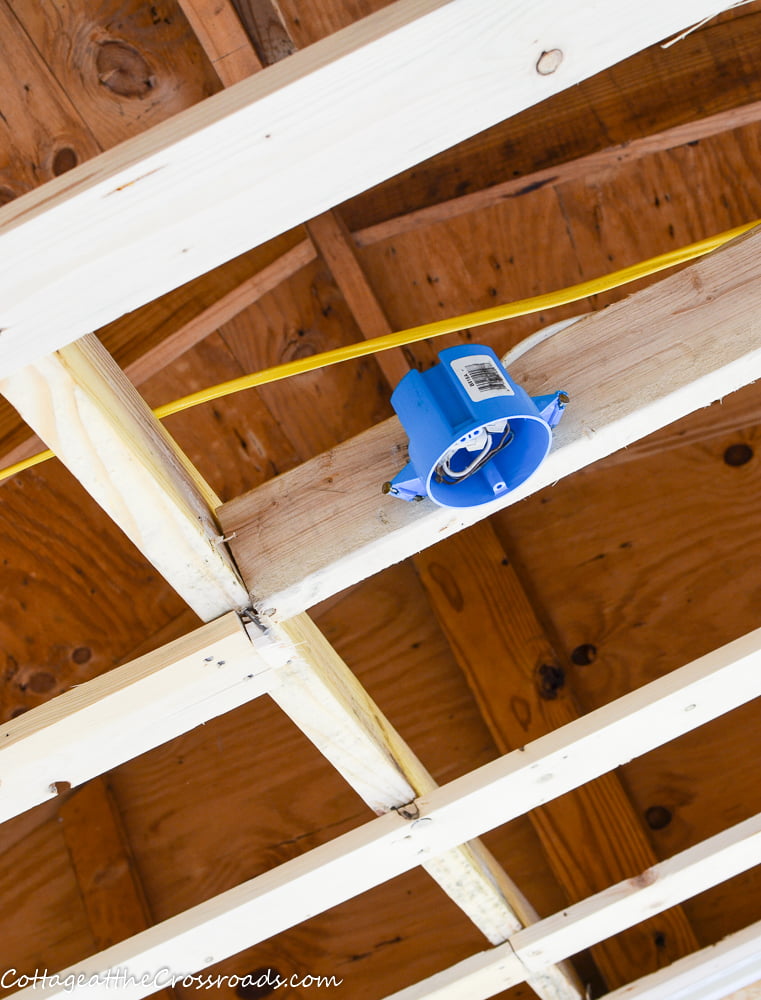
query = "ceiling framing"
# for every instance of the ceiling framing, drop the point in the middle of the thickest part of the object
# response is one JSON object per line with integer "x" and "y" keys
{"x": 521, "y": 666}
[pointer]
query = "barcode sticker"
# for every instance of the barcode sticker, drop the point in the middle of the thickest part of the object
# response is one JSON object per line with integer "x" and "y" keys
{"x": 481, "y": 378}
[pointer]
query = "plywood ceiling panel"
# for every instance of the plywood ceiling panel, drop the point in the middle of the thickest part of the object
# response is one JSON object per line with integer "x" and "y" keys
{"x": 634, "y": 567}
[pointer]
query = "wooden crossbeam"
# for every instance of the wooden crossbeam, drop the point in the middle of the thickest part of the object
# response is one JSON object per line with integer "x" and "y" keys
{"x": 219, "y": 32}
{"x": 686, "y": 874}
{"x": 630, "y": 369}
{"x": 209, "y": 319}
{"x": 708, "y": 974}
{"x": 83, "y": 407}
{"x": 286, "y": 145}
{"x": 82, "y": 403}
{"x": 592, "y": 835}
{"x": 493, "y": 794}
{"x": 467, "y": 582}
{"x": 586, "y": 167}
{"x": 333, "y": 240}
{"x": 129, "y": 710}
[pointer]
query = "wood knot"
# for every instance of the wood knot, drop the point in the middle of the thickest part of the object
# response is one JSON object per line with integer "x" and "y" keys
{"x": 123, "y": 69}
{"x": 658, "y": 817}
{"x": 65, "y": 159}
{"x": 549, "y": 62}
{"x": 584, "y": 654}
{"x": 550, "y": 679}
{"x": 41, "y": 682}
{"x": 646, "y": 878}
{"x": 738, "y": 454}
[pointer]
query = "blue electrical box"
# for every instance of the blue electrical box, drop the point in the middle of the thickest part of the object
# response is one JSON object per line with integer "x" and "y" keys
{"x": 474, "y": 433}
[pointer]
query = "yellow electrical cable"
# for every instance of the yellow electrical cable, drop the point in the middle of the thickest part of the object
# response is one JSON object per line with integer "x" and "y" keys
{"x": 523, "y": 307}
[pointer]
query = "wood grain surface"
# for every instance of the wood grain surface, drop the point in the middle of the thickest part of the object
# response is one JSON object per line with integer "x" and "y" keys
{"x": 633, "y": 566}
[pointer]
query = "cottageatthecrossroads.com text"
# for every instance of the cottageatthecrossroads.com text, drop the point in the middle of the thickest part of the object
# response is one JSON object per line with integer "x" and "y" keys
{"x": 119, "y": 979}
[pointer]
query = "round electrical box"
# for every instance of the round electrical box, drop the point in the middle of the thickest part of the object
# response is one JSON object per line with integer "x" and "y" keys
{"x": 474, "y": 433}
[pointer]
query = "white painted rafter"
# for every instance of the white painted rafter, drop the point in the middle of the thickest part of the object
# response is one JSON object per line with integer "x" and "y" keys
{"x": 493, "y": 794}
{"x": 288, "y": 143}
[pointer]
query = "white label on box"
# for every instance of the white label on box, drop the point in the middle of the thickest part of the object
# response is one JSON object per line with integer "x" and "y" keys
{"x": 481, "y": 377}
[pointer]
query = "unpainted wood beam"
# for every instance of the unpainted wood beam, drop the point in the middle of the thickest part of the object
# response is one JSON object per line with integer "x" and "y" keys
{"x": 287, "y": 144}
{"x": 219, "y": 32}
{"x": 84, "y": 405}
{"x": 108, "y": 880}
{"x": 266, "y": 28}
{"x": 466, "y": 807}
{"x": 129, "y": 710}
{"x": 333, "y": 241}
{"x": 629, "y": 370}
{"x": 591, "y": 836}
{"x": 698, "y": 868}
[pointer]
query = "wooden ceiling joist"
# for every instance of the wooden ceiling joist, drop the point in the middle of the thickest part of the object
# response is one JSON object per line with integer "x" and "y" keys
{"x": 220, "y": 32}
{"x": 629, "y": 370}
{"x": 285, "y": 145}
{"x": 593, "y": 835}
{"x": 496, "y": 792}
{"x": 584, "y": 167}
{"x": 101, "y": 428}
{"x": 620, "y": 906}
{"x": 640, "y": 365}
{"x": 127, "y": 711}
{"x": 709, "y": 974}
{"x": 83, "y": 407}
